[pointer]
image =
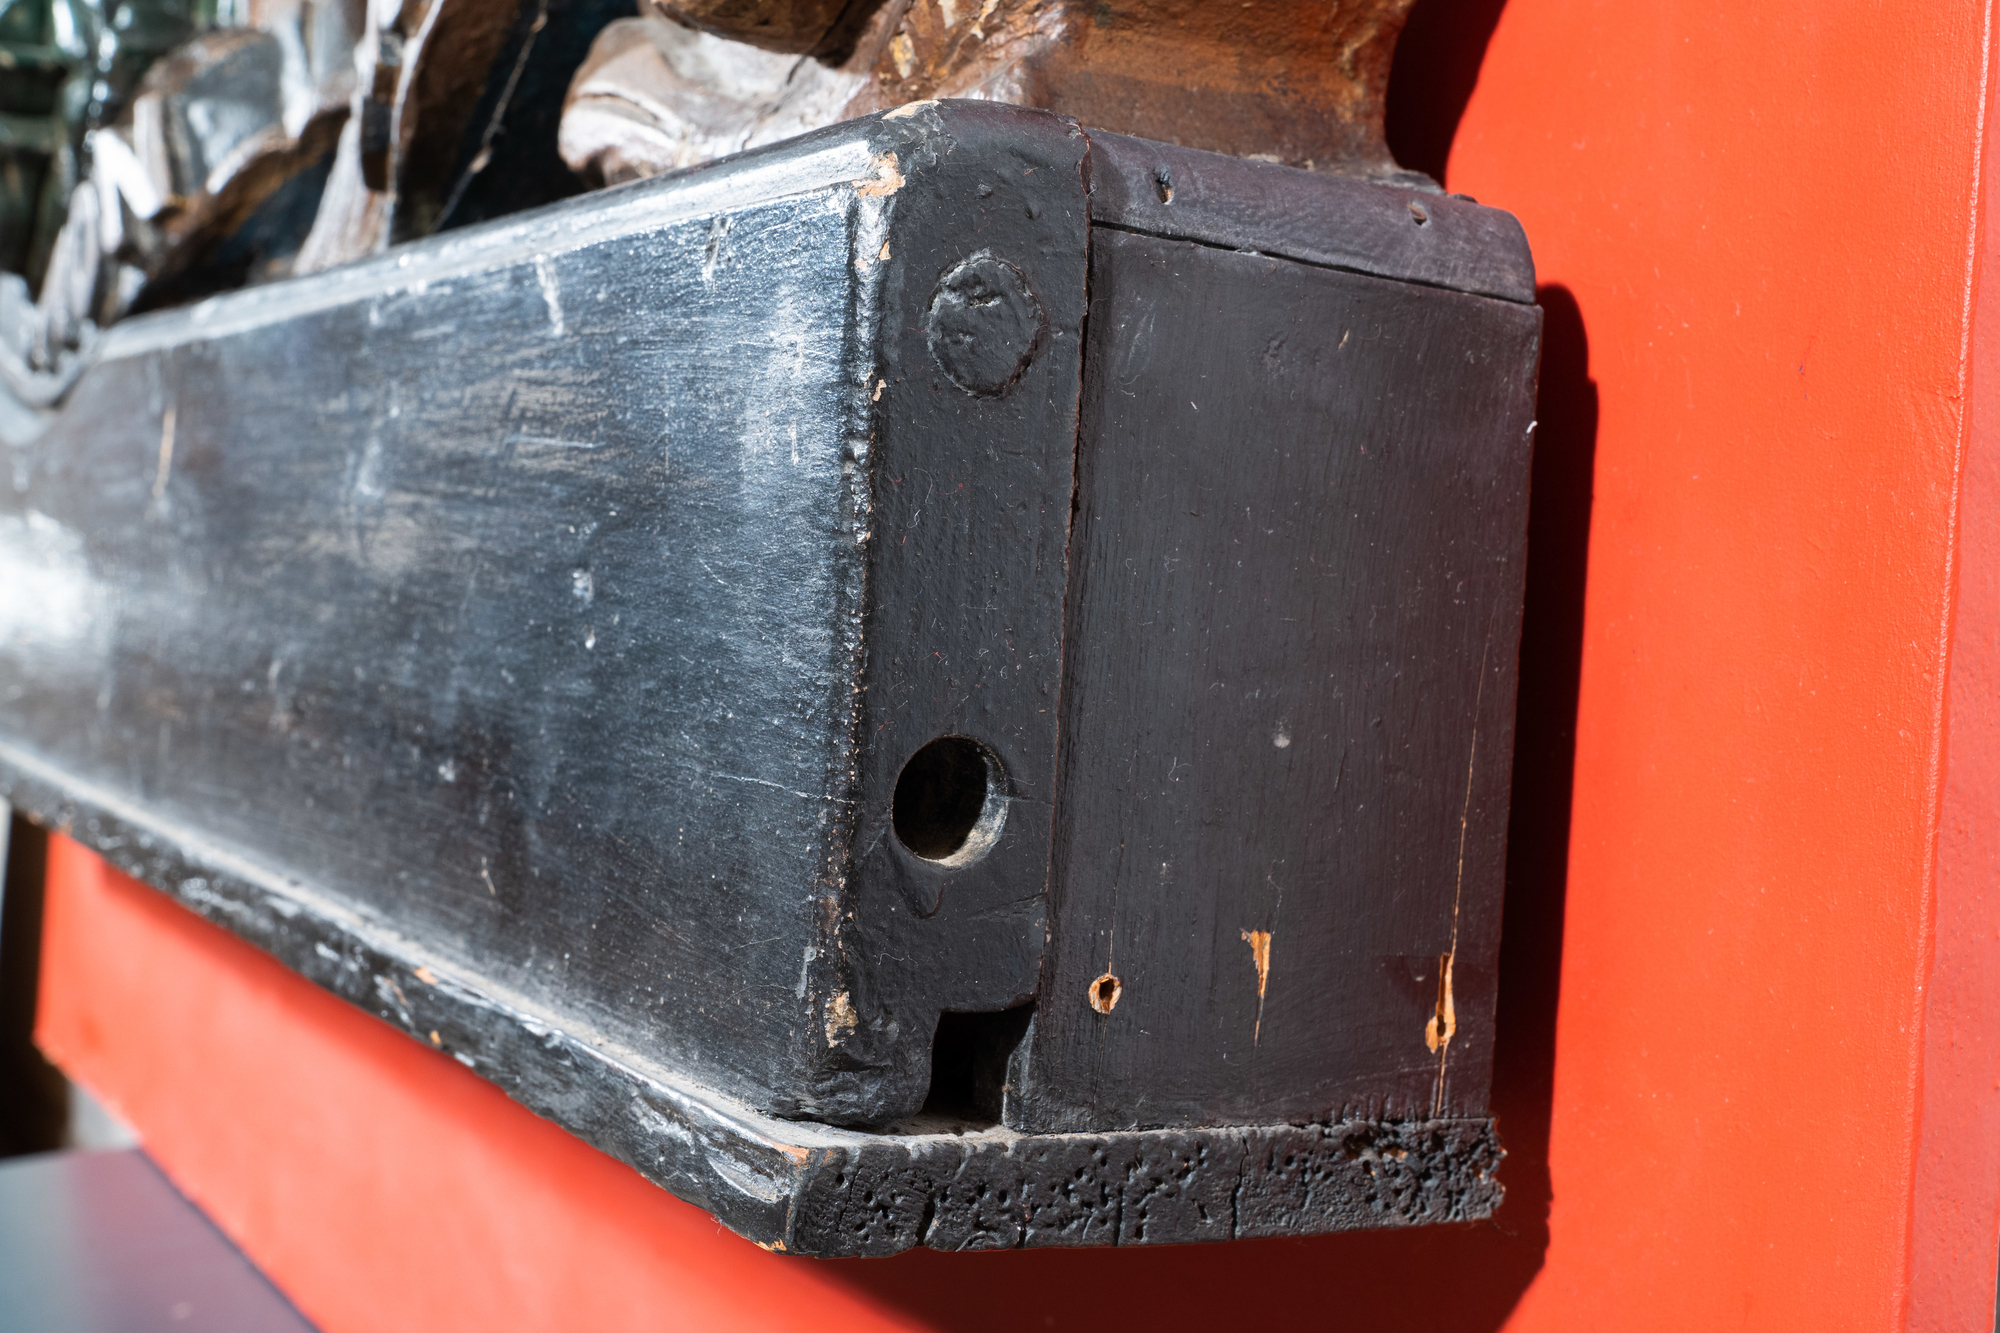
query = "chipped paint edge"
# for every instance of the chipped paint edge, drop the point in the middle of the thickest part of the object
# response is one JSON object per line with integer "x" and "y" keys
{"x": 798, "y": 1187}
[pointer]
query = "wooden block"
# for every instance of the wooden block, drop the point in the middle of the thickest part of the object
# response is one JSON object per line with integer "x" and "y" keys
{"x": 726, "y": 657}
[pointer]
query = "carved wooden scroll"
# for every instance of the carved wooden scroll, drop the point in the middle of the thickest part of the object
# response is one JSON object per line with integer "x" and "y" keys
{"x": 1295, "y": 83}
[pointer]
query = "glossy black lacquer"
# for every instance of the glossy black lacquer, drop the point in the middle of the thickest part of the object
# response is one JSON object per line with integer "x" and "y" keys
{"x": 708, "y": 652}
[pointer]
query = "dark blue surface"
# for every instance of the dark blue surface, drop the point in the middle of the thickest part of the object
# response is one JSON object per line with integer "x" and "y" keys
{"x": 101, "y": 1243}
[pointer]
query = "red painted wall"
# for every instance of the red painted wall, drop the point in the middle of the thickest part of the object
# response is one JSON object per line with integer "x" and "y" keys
{"x": 1751, "y": 970}
{"x": 1767, "y": 216}
{"x": 1954, "y": 1222}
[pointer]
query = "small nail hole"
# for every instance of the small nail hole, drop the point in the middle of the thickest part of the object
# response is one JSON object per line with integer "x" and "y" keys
{"x": 1104, "y": 993}
{"x": 1419, "y": 213}
{"x": 1164, "y": 182}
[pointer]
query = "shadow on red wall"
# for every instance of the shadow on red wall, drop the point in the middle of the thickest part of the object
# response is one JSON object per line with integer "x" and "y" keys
{"x": 1437, "y": 65}
{"x": 1439, "y": 1279}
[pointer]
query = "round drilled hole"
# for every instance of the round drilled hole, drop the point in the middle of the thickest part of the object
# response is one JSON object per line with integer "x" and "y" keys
{"x": 1104, "y": 993}
{"x": 950, "y": 801}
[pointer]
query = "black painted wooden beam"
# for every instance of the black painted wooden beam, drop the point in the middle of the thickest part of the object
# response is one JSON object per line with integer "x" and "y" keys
{"x": 949, "y": 682}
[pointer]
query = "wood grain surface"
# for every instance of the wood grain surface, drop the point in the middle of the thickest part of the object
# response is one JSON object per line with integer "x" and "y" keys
{"x": 1289, "y": 694}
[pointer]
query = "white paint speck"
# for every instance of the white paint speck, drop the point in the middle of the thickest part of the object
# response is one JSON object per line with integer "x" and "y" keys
{"x": 551, "y": 295}
{"x": 166, "y": 453}
{"x": 448, "y": 770}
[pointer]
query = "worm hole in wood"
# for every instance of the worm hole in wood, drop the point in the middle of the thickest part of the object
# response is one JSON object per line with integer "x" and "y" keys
{"x": 950, "y": 801}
